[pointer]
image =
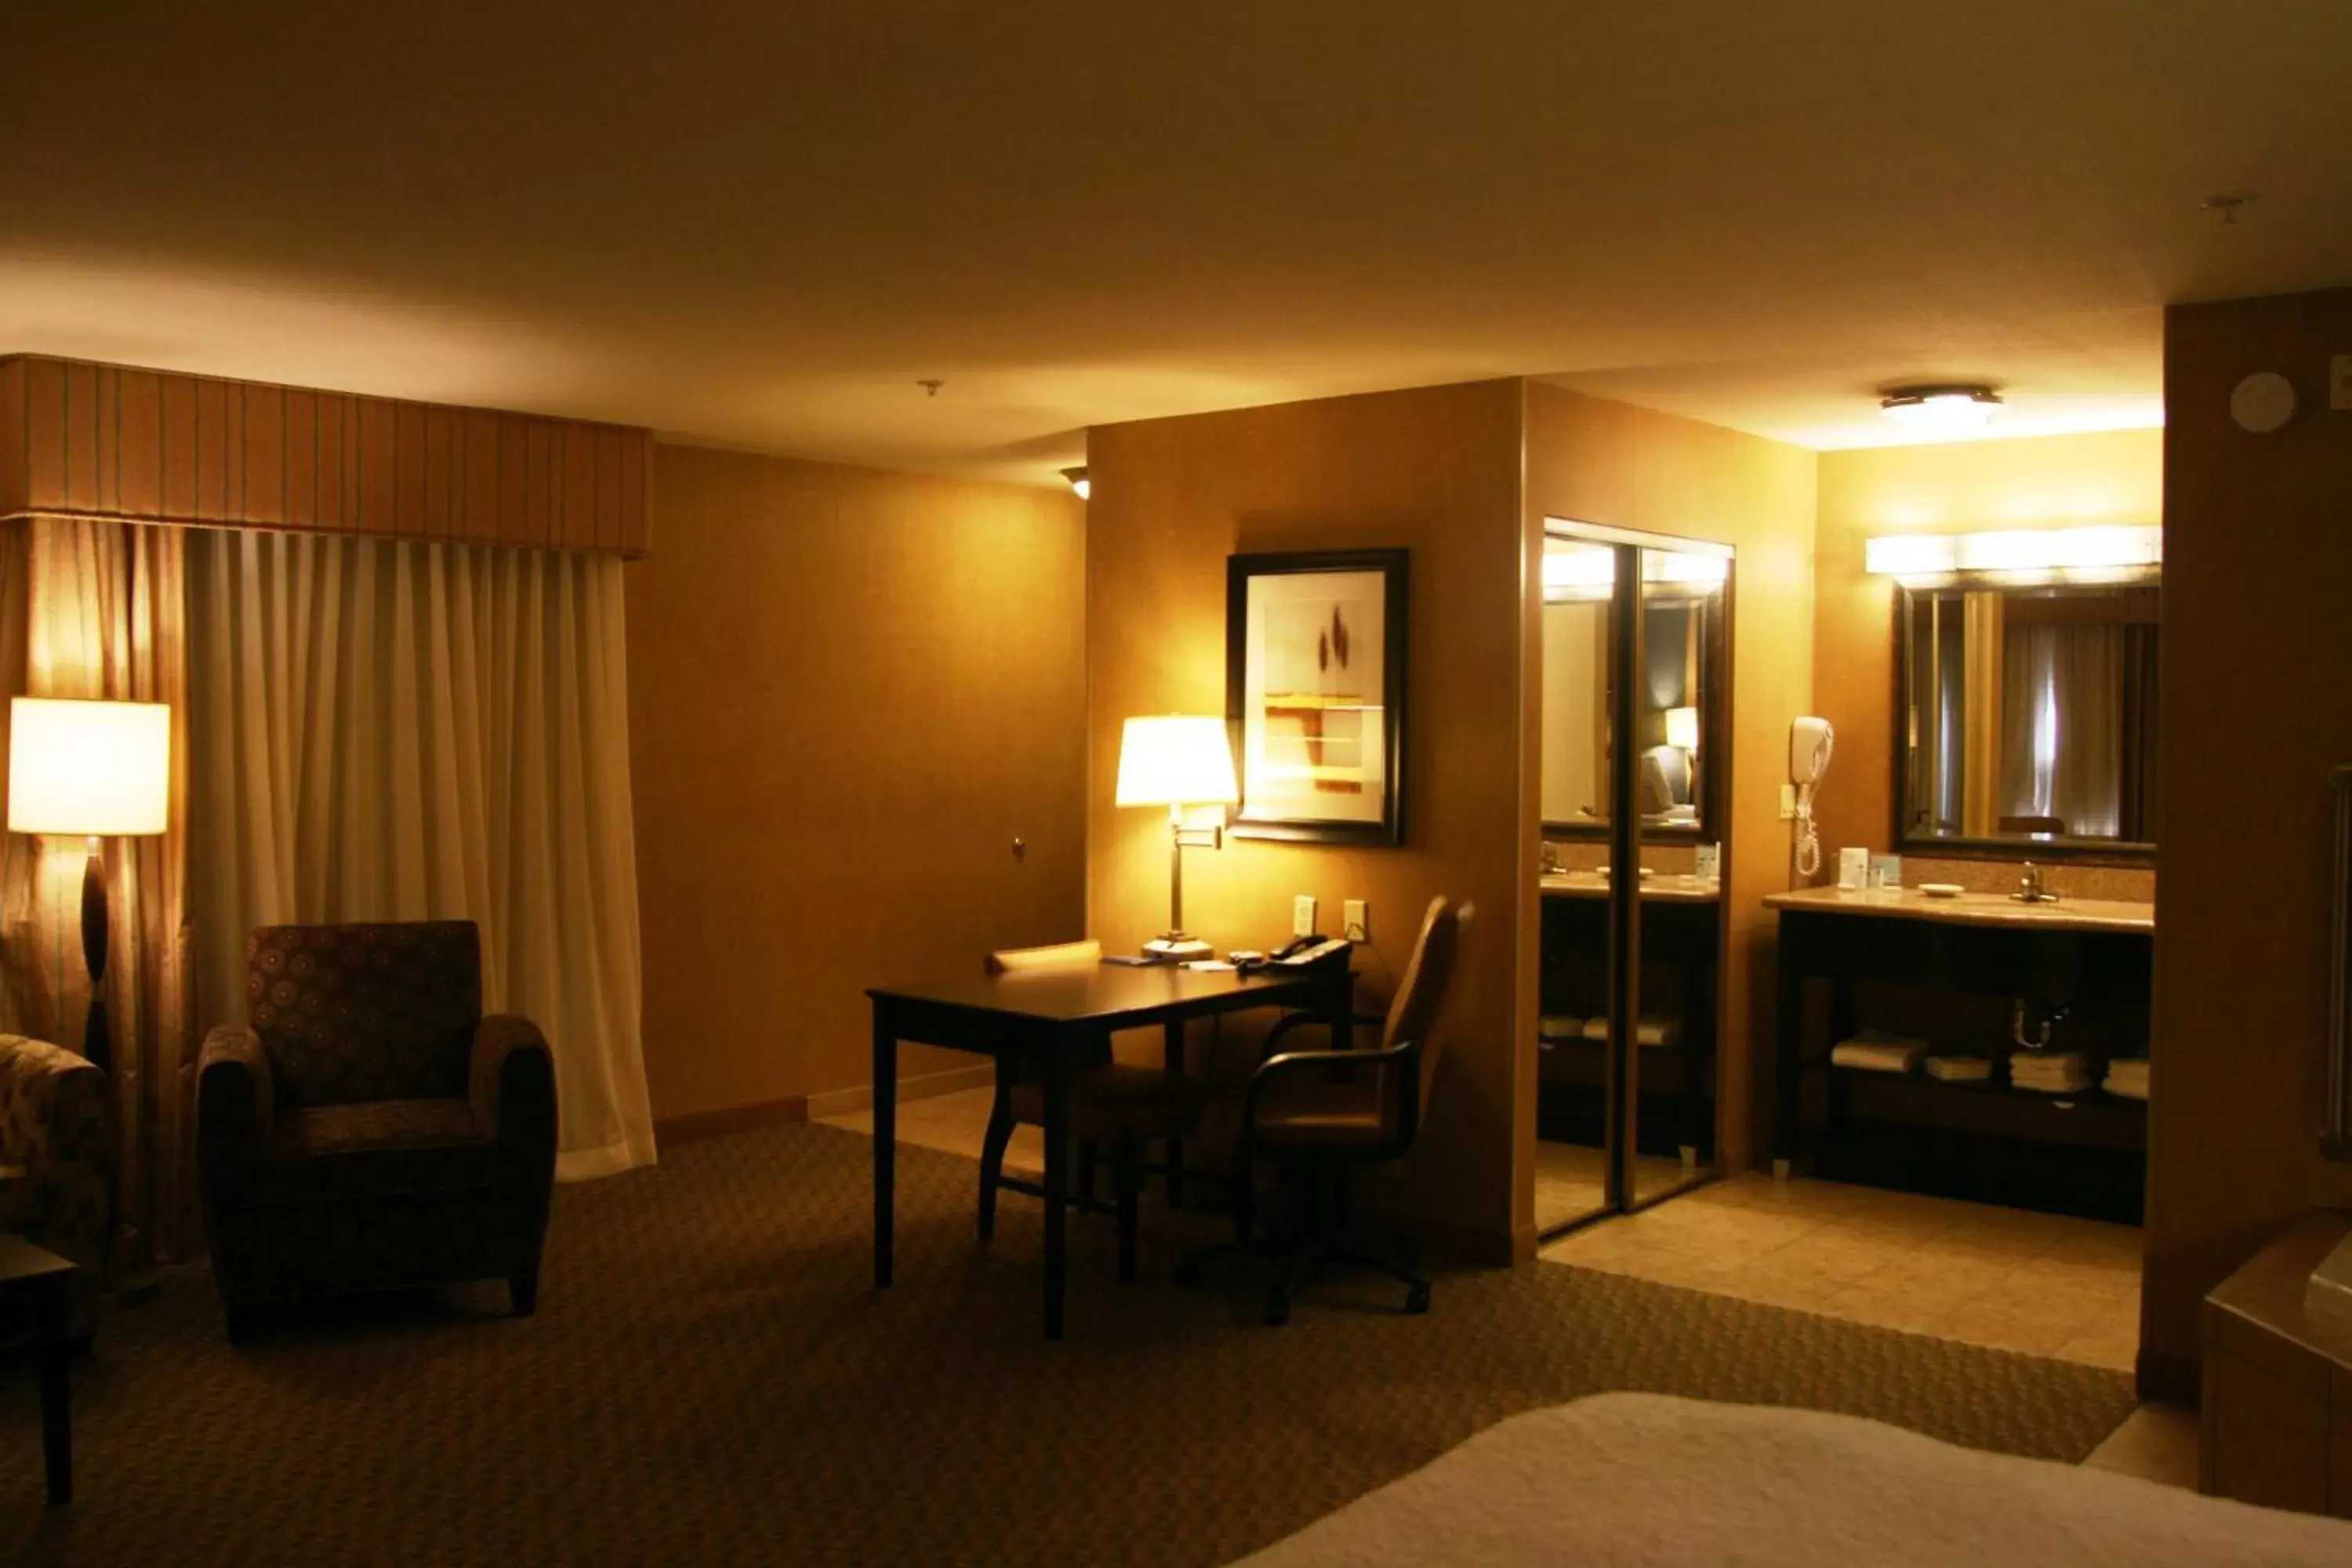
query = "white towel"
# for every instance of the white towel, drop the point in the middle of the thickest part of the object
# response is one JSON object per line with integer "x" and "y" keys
{"x": 2128, "y": 1078}
{"x": 1648, "y": 1032}
{"x": 1873, "y": 1052}
{"x": 1959, "y": 1069}
{"x": 2050, "y": 1072}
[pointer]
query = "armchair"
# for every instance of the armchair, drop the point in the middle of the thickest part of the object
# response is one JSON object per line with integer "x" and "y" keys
{"x": 57, "y": 1140}
{"x": 370, "y": 1128}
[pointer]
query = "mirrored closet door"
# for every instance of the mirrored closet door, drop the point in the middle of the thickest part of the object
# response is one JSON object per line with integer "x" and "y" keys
{"x": 1636, "y": 641}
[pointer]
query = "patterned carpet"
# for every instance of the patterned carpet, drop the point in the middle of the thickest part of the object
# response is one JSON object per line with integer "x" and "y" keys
{"x": 710, "y": 1380}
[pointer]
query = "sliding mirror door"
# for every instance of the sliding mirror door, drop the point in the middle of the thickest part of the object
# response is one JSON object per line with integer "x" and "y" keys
{"x": 1635, "y": 633}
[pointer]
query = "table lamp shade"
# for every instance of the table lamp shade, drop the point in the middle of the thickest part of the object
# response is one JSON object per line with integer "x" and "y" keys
{"x": 89, "y": 768}
{"x": 1176, "y": 760}
{"x": 1682, "y": 728}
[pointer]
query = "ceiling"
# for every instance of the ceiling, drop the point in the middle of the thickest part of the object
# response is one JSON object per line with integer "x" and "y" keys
{"x": 762, "y": 225}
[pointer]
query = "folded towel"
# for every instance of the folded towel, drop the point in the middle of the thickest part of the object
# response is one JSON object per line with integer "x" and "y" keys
{"x": 2050, "y": 1072}
{"x": 1959, "y": 1069}
{"x": 1873, "y": 1052}
{"x": 2128, "y": 1078}
{"x": 2124, "y": 1090}
{"x": 1554, "y": 1027}
{"x": 1648, "y": 1032}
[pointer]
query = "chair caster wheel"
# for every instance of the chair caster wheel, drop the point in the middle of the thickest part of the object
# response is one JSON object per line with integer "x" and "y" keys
{"x": 1416, "y": 1301}
{"x": 1277, "y": 1313}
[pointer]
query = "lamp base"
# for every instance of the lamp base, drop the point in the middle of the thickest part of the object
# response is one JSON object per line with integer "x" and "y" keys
{"x": 1177, "y": 948}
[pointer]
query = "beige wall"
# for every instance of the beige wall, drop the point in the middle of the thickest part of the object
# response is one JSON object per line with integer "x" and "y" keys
{"x": 849, "y": 692}
{"x": 1953, "y": 488}
{"x": 1436, "y": 470}
{"x": 1597, "y": 461}
{"x": 2257, "y": 709}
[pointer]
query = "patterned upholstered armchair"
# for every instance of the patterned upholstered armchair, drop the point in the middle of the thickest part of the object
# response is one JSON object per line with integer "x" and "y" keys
{"x": 371, "y": 1130}
{"x": 56, "y": 1144}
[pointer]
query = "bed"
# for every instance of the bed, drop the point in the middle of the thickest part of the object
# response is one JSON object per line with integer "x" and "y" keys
{"x": 1638, "y": 1479}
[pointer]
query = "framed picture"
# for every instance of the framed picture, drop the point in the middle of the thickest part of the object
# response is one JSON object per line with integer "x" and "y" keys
{"x": 1315, "y": 662}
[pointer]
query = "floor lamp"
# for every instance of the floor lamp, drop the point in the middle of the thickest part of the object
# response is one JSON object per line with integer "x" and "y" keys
{"x": 93, "y": 770}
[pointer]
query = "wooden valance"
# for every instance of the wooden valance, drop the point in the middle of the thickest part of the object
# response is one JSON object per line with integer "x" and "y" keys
{"x": 110, "y": 442}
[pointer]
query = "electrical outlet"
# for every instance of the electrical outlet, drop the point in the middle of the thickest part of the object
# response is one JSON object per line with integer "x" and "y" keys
{"x": 1788, "y": 803}
{"x": 1302, "y": 915}
{"x": 1353, "y": 923}
{"x": 2339, "y": 383}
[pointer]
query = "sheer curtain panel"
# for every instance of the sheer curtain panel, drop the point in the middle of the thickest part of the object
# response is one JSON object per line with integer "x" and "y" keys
{"x": 405, "y": 730}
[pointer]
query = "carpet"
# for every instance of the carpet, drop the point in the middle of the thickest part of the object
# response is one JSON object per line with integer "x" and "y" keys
{"x": 710, "y": 1379}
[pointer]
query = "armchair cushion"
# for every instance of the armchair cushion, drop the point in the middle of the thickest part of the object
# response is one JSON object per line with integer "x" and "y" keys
{"x": 355, "y": 1012}
{"x": 376, "y": 1150}
{"x": 1299, "y": 1110}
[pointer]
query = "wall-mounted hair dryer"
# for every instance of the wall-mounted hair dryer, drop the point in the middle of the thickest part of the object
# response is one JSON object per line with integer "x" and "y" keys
{"x": 1810, "y": 743}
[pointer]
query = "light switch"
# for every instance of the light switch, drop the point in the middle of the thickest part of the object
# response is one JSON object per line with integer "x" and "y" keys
{"x": 1302, "y": 915}
{"x": 1353, "y": 923}
{"x": 2339, "y": 383}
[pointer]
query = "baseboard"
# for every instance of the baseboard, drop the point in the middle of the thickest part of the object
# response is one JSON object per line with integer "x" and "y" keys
{"x": 695, "y": 1126}
{"x": 922, "y": 1085}
{"x": 2167, "y": 1379}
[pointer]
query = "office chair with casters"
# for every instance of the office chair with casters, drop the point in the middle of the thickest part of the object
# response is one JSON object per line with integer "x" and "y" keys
{"x": 1111, "y": 1104}
{"x": 1317, "y": 1116}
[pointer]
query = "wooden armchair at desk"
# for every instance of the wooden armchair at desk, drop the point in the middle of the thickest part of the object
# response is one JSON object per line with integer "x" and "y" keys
{"x": 1112, "y": 1103}
{"x": 1318, "y": 1115}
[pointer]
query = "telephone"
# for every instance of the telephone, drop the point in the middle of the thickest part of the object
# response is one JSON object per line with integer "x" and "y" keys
{"x": 1297, "y": 953}
{"x": 1810, "y": 743}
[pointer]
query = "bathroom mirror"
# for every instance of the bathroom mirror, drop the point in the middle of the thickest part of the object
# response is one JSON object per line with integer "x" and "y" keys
{"x": 2027, "y": 716}
{"x": 1682, "y": 642}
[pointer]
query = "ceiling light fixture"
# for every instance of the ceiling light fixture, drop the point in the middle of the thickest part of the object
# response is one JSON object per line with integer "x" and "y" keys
{"x": 1077, "y": 478}
{"x": 1942, "y": 410}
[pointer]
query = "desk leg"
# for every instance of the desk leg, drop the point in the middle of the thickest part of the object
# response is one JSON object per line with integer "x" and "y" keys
{"x": 1057, "y": 1159}
{"x": 57, "y": 1388}
{"x": 1171, "y": 1055}
{"x": 886, "y": 1140}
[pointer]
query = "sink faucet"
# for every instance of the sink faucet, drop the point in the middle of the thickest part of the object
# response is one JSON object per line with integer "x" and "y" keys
{"x": 2031, "y": 890}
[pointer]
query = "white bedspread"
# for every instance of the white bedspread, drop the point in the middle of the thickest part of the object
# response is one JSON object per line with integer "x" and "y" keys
{"x": 1641, "y": 1478}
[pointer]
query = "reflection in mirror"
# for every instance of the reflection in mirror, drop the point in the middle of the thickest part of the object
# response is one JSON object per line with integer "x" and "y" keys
{"x": 1682, "y": 617}
{"x": 2030, "y": 713}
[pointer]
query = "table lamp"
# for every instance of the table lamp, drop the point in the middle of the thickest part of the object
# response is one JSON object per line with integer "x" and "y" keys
{"x": 90, "y": 770}
{"x": 1176, "y": 760}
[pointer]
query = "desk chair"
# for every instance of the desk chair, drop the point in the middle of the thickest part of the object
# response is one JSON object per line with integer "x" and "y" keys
{"x": 1318, "y": 1115}
{"x": 1111, "y": 1103}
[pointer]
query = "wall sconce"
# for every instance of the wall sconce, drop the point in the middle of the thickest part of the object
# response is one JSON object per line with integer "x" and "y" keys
{"x": 2107, "y": 553}
{"x": 1078, "y": 482}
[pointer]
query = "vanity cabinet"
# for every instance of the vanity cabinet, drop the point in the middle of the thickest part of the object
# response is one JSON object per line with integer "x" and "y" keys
{"x": 1956, "y": 974}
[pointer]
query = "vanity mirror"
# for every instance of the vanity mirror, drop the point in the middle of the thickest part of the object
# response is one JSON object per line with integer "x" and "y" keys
{"x": 2026, "y": 715}
{"x": 1681, "y": 660}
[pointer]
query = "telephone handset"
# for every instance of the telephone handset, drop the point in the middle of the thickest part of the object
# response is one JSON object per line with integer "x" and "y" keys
{"x": 1811, "y": 741}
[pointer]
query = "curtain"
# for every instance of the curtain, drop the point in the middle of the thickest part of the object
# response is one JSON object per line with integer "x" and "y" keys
{"x": 2062, "y": 735}
{"x": 97, "y": 610}
{"x": 408, "y": 731}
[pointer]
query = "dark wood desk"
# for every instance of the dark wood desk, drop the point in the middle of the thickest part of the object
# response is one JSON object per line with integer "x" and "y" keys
{"x": 1054, "y": 1020}
{"x": 27, "y": 1269}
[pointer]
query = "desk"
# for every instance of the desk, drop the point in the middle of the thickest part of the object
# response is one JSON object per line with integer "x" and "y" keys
{"x": 27, "y": 1269}
{"x": 1057, "y": 1019}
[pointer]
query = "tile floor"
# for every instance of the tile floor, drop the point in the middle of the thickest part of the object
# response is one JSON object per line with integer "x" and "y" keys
{"x": 1569, "y": 1180}
{"x": 2004, "y": 1278}
{"x": 1997, "y": 1277}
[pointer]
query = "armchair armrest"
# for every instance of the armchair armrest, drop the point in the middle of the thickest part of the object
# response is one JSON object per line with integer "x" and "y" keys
{"x": 236, "y": 1100}
{"x": 1405, "y": 1054}
{"x": 510, "y": 1062}
{"x": 1317, "y": 1018}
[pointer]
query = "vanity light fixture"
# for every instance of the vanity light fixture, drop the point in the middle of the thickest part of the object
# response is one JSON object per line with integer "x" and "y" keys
{"x": 2064, "y": 555}
{"x": 1077, "y": 478}
{"x": 1944, "y": 410}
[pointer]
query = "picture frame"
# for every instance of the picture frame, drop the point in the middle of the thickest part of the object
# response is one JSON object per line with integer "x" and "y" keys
{"x": 1318, "y": 746}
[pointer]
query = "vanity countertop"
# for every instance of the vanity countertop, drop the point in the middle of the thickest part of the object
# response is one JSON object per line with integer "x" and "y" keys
{"x": 1677, "y": 889}
{"x": 1973, "y": 908}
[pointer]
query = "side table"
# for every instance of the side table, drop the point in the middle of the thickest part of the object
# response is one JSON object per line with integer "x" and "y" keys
{"x": 27, "y": 1270}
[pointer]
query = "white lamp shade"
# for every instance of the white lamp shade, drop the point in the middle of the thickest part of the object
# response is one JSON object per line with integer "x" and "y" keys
{"x": 1682, "y": 728}
{"x": 1176, "y": 760}
{"x": 89, "y": 768}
